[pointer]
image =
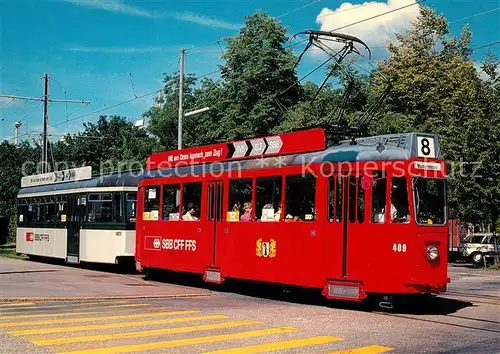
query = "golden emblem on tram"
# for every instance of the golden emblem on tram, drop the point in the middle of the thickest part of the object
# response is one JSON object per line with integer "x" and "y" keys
{"x": 265, "y": 249}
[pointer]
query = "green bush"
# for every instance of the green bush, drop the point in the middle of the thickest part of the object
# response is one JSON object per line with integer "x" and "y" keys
{"x": 11, "y": 237}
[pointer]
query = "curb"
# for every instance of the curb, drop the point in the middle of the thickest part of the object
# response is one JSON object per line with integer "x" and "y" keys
{"x": 97, "y": 298}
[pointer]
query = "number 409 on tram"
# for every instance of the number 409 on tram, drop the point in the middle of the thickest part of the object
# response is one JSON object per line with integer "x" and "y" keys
{"x": 365, "y": 216}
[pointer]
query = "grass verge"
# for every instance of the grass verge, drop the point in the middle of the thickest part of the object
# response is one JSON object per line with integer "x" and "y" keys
{"x": 9, "y": 250}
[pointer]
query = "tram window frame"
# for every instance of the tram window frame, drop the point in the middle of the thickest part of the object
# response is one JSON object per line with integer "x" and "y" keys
{"x": 118, "y": 215}
{"x": 260, "y": 206}
{"x": 398, "y": 219}
{"x": 132, "y": 217}
{"x": 176, "y": 187}
{"x": 185, "y": 202}
{"x": 240, "y": 200}
{"x": 152, "y": 205}
{"x": 290, "y": 180}
{"x": 353, "y": 199}
{"x": 94, "y": 199}
{"x": 378, "y": 179}
{"x": 22, "y": 209}
{"x": 361, "y": 212}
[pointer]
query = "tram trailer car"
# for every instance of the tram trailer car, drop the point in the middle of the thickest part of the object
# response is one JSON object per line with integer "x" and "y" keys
{"x": 314, "y": 219}
{"x": 71, "y": 216}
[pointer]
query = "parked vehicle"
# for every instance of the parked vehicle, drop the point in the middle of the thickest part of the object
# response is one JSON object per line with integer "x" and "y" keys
{"x": 475, "y": 247}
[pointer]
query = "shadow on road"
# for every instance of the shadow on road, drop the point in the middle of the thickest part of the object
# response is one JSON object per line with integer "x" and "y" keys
{"x": 409, "y": 304}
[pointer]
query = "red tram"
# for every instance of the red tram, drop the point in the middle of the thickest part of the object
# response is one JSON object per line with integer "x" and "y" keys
{"x": 285, "y": 209}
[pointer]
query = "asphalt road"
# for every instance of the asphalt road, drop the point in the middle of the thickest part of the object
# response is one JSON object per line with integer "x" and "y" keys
{"x": 254, "y": 319}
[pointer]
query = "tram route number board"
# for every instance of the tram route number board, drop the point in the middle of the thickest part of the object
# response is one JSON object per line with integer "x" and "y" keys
{"x": 283, "y": 144}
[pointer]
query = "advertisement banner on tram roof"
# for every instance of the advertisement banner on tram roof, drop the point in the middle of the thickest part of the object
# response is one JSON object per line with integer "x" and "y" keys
{"x": 283, "y": 144}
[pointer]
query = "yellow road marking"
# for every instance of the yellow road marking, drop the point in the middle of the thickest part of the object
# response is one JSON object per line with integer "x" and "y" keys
{"x": 26, "y": 332}
{"x": 370, "y": 349}
{"x": 73, "y": 304}
{"x": 64, "y": 314}
{"x": 287, "y": 344}
{"x": 17, "y": 304}
{"x": 186, "y": 341}
{"x": 155, "y": 332}
{"x": 93, "y": 319}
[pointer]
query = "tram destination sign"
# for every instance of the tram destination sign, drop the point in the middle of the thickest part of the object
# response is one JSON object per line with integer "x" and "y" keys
{"x": 283, "y": 144}
{"x": 71, "y": 175}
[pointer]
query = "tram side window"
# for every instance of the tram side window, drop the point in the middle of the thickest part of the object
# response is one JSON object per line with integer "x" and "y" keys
{"x": 300, "y": 197}
{"x": 22, "y": 211}
{"x": 51, "y": 210}
{"x": 170, "y": 208}
{"x": 191, "y": 201}
{"x": 399, "y": 200}
{"x": 352, "y": 198}
{"x": 100, "y": 207}
{"x": 118, "y": 207}
{"x": 268, "y": 198}
{"x": 335, "y": 199}
{"x": 379, "y": 188}
{"x": 131, "y": 206}
{"x": 240, "y": 200}
{"x": 151, "y": 203}
{"x": 61, "y": 208}
{"x": 32, "y": 211}
{"x": 361, "y": 200}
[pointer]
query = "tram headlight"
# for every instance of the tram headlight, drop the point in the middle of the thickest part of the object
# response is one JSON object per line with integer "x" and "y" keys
{"x": 431, "y": 252}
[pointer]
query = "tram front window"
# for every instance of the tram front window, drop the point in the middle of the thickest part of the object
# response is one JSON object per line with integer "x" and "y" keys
{"x": 430, "y": 200}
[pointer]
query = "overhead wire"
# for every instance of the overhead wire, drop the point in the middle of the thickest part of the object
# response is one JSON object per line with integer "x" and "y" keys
{"x": 348, "y": 25}
{"x": 298, "y": 9}
{"x": 107, "y": 108}
{"x": 485, "y": 46}
{"x": 475, "y": 15}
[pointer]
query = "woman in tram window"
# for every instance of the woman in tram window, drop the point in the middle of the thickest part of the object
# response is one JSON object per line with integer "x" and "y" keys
{"x": 247, "y": 215}
{"x": 277, "y": 215}
{"x": 189, "y": 216}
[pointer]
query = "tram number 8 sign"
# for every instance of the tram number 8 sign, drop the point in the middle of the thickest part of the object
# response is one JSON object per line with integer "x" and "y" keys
{"x": 425, "y": 147}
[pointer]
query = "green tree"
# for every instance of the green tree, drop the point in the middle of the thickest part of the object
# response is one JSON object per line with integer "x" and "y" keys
{"x": 436, "y": 89}
{"x": 106, "y": 145}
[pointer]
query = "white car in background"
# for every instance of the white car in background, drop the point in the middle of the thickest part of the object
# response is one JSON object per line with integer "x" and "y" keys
{"x": 476, "y": 246}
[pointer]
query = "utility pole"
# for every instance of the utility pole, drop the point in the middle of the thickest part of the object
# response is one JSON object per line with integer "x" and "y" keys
{"x": 181, "y": 99}
{"x": 45, "y": 122}
{"x": 46, "y": 100}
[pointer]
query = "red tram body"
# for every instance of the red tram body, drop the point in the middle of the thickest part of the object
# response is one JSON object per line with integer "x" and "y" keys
{"x": 315, "y": 218}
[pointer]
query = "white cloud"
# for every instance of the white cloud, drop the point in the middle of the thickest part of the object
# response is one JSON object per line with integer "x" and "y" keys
{"x": 206, "y": 21}
{"x": 374, "y": 32}
{"x": 120, "y": 6}
{"x": 114, "y": 6}
{"x": 113, "y": 50}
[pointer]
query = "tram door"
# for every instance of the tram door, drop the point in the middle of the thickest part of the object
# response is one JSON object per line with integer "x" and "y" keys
{"x": 353, "y": 209}
{"x": 215, "y": 202}
{"x": 75, "y": 218}
{"x": 347, "y": 210}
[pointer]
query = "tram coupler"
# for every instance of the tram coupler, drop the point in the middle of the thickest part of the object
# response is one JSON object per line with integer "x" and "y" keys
{"x": 387, "y": 302}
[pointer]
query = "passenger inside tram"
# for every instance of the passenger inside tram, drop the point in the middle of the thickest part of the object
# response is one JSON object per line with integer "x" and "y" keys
{"x": 190, "y": 213}
{"x": 247, "y": 215}
{"x": 399, "y": 201}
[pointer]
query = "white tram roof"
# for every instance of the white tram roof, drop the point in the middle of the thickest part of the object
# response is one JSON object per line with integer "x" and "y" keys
{"x": 126, "y": 181}
{"x": 391, "y": 147}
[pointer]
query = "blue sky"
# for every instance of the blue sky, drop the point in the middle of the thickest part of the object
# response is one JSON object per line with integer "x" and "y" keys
{"x": 108, "y": 51}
